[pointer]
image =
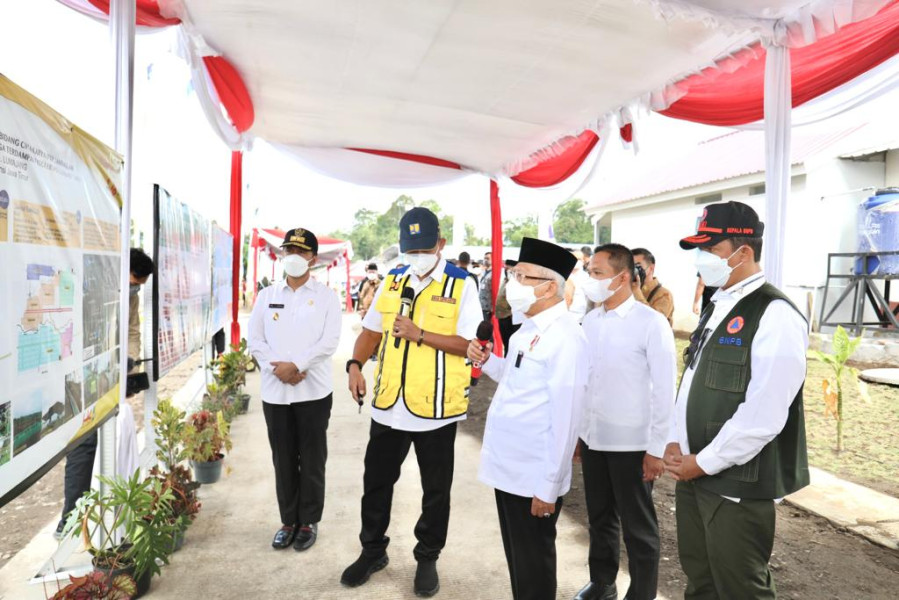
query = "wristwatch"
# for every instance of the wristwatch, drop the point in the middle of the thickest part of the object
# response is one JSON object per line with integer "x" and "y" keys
{"x": 353, "y": 361}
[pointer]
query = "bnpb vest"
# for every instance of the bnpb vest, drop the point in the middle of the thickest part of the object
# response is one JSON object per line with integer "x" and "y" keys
{"x": 719, "y": 387}
{"x": 434, "y": 384}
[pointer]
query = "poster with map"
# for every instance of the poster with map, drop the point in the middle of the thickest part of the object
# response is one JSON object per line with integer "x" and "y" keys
{"x": 59, "y": 286}
{"x": 184, "y": 281}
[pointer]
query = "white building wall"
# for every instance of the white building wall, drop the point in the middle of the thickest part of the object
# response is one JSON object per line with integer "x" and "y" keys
{"x": 892, "y": 169}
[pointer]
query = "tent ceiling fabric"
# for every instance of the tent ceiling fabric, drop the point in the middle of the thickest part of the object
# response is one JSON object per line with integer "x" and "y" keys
{"x": 483, "y": 84}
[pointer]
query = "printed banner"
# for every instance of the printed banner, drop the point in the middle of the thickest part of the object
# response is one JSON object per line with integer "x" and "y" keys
{"x": 222, "y": 287}
{"x": 60, "y": 213}
{"x": 184, "y": 281}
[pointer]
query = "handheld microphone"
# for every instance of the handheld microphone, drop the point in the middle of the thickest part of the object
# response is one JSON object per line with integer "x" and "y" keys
{"x": 405, "y": 308}
{"x": 485, "y": 336}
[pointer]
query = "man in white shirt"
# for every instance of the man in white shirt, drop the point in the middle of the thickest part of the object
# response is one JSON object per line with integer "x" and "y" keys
{"x": 625, "y": 425}
{"x": 294, "y": 330}
{"x": 737, "y": 438}
{"x": 531, "y": 427}
{"x": 419, "y": 323}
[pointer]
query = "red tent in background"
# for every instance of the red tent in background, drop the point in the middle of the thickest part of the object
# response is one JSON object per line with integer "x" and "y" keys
{"x": 331, "y": 253}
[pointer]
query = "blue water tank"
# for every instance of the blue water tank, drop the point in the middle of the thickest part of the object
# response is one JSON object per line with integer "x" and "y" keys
{"x": 878, "y": 231}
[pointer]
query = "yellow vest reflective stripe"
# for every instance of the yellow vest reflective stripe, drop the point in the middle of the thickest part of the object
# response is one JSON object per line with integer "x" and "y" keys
{"x": 434, "y": 385}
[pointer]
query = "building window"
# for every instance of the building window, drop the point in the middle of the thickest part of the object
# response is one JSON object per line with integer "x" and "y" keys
{"x": 710, "y": 199}
{"x": 757, "y": 190}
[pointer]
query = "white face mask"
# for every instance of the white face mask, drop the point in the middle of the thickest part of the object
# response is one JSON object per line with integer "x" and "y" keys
{"x": 295, "y": 265}
{"x": 475, "y": 271}
{"x": 371, "y": 276}
{"x": 598, "y": 290}
{"x": 422, "y": 263}
{"x": 714, "y": 270}
{"x": 521, "y": 297}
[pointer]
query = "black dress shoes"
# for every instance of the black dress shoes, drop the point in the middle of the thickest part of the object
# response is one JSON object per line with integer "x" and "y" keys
{"x": 358, "y": 573}
{"x": 306, "y": 536}
{"x": 284, "y": 537}
{"x": 597, "y": 591}
{"x": 426, "y": 581}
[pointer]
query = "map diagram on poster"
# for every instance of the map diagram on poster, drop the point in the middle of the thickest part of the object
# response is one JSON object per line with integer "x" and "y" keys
{"x": 47, "y": 328}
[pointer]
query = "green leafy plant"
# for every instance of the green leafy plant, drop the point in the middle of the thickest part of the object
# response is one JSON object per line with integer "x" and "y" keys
{"x": 97, "y": 586}
{"x": 220, "y": 399}
{"x": 843, "y": 349}
{"x": 168, "y": 423}
{"x": 230, "y": 369}
{"x": 140, "y": 509}
{"x": 205, "y": 436}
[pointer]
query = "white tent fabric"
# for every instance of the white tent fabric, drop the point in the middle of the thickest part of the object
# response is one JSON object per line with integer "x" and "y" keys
{"x": 483, "y": 84}
{"x": 778, "y": 101}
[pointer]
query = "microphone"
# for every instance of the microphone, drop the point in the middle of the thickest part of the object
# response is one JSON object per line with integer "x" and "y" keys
{"x": 485, "y": 335}
{"x": 405, "y": 308}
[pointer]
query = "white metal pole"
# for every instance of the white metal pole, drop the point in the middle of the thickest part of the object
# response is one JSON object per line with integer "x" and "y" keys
{"x": 778, "y": 131}
{"x": 121, "y": 27}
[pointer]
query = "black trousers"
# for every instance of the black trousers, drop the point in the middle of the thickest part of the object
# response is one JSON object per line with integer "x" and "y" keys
{"x": 530, "y": 545}
{"x": 387, "y": 449}
{"x": 615, "y": 491}
{"x": 298, "y": 435}
{"x": 79, "y": 469}
{"x": 506, "y": 329}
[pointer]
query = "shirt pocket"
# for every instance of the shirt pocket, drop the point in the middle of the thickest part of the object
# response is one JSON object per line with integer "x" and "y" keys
{"x": 440, "y": 318}
{"x": 747, "y": 472}
{"x": 728, "y": 369}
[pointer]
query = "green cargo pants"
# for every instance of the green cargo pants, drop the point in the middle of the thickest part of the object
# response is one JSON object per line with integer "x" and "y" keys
{"x": 724, "y": 546}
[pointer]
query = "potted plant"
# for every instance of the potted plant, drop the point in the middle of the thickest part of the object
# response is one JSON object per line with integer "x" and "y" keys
{"x": 230, "y": 375}
{"x": 219, "y": 398}
{"x": 205, "y": 436}
{"x": 169, "y": 426}
{"x": 132, "y": 519}
{"x": 97, "y": 586}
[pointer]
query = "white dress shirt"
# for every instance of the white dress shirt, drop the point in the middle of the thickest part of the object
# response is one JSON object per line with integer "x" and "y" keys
{"x": 778, "y": 370}
{"x": 532, "y": 422}
{"x": 301, "y": 326}
{"x": 632, "y": 378}
{"x": 470, "y": 315}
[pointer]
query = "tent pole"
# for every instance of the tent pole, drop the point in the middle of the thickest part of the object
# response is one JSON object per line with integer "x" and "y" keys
{"x": 121, "y": 28}
{"x": 236, "y": 213}
{"x": 496, "y": 261}
{"x": 349, "y": 289}
{"x": 255, "y": 241}
{"x": 778, "y": 109}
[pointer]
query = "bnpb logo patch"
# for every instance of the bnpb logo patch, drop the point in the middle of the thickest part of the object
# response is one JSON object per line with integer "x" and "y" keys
{"x": 735, "y": 325}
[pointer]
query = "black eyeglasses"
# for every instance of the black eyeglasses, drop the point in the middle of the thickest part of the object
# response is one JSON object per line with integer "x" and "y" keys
{"x": 698, "y": 337}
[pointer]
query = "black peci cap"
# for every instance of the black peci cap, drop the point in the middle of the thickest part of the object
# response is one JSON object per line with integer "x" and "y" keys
{"x": 723, "y": 221}
{"x": 547, "y": 254}
{"x": 302, "y": 239}
{"x": 419, "y": 230}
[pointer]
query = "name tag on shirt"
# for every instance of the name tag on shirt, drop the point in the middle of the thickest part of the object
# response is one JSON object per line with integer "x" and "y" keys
{"x": 443, "y": 299}
{"x": 276, "y": 306}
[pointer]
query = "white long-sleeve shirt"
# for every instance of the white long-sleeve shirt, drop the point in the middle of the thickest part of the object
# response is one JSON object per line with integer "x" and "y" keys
{"x": 778, "y": 370}
{"x": 632, "y": 377}
{"x": 301, "y": 326}
{"x": 532, "y": 423}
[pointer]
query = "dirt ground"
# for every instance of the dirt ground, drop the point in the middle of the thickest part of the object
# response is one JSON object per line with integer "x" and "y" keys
{"x": 812, "y": 559}
{"x": 23, "y": 518}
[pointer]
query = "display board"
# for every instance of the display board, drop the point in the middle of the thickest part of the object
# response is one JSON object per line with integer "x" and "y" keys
{"x": 222, "y": 278}
{"x": 182, "y": 294}
{"x": 60, "y": 249}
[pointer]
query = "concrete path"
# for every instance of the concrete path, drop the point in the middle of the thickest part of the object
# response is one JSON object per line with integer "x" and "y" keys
{"x": 864, "y": 511}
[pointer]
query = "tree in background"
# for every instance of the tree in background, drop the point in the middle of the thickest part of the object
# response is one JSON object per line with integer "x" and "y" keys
{"x": 471, "y": 239}
{"x": 519, "y": 228}
{"x": 372, "y": 233}
{"x": 571, "y": 224}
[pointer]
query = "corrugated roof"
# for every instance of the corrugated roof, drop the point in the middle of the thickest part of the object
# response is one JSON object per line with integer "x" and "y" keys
{"x": 728, "y": 156}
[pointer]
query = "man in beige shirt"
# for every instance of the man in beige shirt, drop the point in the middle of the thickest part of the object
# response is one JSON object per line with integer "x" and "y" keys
{"x": 369, "y": 287}
{"x": 657, "y": 296}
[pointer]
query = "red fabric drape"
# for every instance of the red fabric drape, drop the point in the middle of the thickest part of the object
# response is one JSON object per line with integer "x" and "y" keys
{"x": 496, "y": 260}
{"x": 559, "y": 168}
{"x": 231, "y": 91}
{"x": 147, "y": 13}
{"x": 718, "y": 98}
{"x": 419, "y": 158}
{"x": 236, "y": 213}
